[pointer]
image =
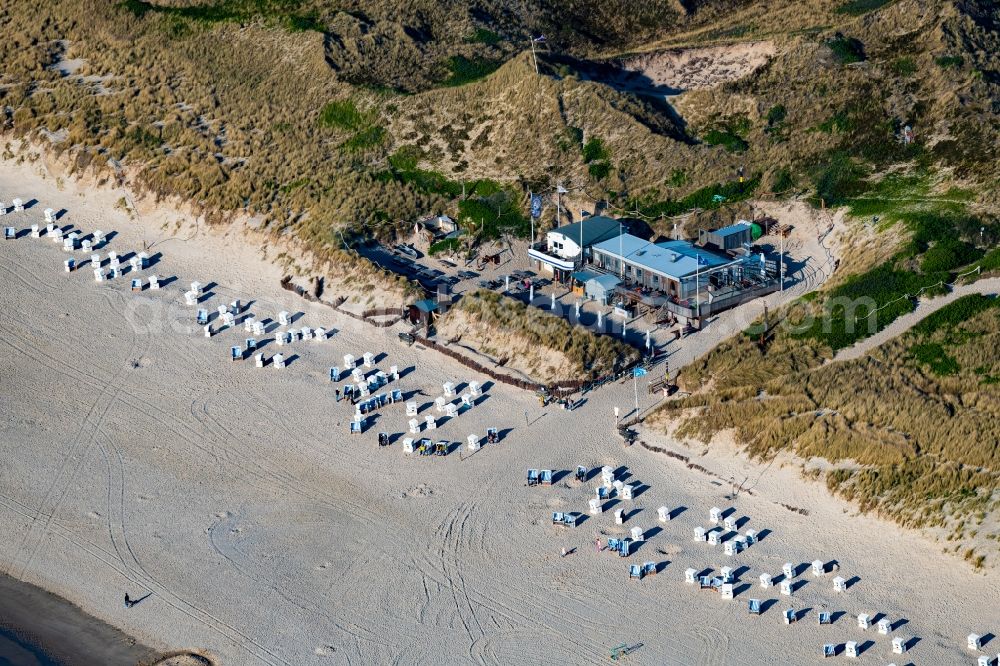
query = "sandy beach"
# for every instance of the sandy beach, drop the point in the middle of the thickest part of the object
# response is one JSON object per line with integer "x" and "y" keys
{"x": 139, "y": 459}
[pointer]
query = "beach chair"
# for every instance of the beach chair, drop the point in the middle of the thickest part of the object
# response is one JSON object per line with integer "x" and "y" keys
{"x": 765, "y": 580}
{"x": 69, "y": 265}
{"x": 492, "y": 436}
{"x": 348, "y": 361}
{"x": 259, "y": 360}
{"x": 649, "y": 568}
{"x": 729, "y": 524}
{"x": 396, "y": 396}
{"x": 700, "y": 534}
{"x": 9, "y": 233}
{"x": 369, "y": 359}
{"x": 789, "y": 615}
{"x": 851, "y": 649}
{"x": 355, "y": 427}
{"x": 414, "y": 426}
{"x": 431, "y": 422}
{"x": 411, "y": 408}
{"x": 714, "y": 515}
{"x": 50, "y": 215}
{"x": 284, "y": 318}
{"x": 614, "y": 545}
{"x": 635, "y": 571}
{"x": 898, "y": 645}
{"x": 864, "y": 621}
{"x": 754, "y": 606}
{"x": 595, "y": 507}
{"x": 467, "y": 400}
{"x": 829, "y": 650}
{"x": 202, "y": 316}
{"x": 818, "y": 568}
{"x": 884, "y": 626}
{"x": 319, "y": 334}
{"x": 705, "y": 583}
{"x": 788, "y": 570}
{"x": 624, "y": 547}
{"x": 475, "y": 390}
{"x": 974, "y": 641}
{"x": 334, "y": 374}
{"x": 663, "y": 514}
{"x": 154, "y": 283}
{"x": 441, "y": 448}
{"x": 532, "y": 477}
{"x": 358, "y": 375}
{"x": 449, "y": 389}
{"x": 570, "y": 519}
{"x": 440, "y": 402}
{"x": 824, "y": 618}
{"x": 581, "y": 473}
{"x": 637, "y": 534}
{"x": 36, "y": 233}
{"x": 619, "y": 516}
{"x": 278, "y": 361}
{"x": 306, "y": 333}
{"x": 690, "y": 576}
{"x": 18, "y": 205}
{"x": 473, "y": 442}
{"x": 751, "y": 537}
{"x": 426, "y": 447}
{"x": 236, "y": 353}
{"x": 450, "y": 411}
{"x": 713, "y": 538}
{"x": 627, "y": 492}
{"x": 839, "y": 584}
{"x": 557, "y": 518}
{"x": 259, "y": 329}
{"x": 408, "y": 445}
{"x": 726, "y": 591}
{"x": 545, "y": 477}
{"x": 383, "y": 439}
{"x": 381, "y": 378}
{"x": 786, "y": 587}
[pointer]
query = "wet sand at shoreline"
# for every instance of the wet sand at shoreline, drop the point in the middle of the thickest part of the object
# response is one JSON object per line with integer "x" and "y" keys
{"x": 38, "y": 627}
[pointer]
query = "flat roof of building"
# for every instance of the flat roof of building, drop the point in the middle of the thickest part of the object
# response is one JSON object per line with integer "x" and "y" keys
{"x": 674, "y": 259}
{"x": 740, "y": 227}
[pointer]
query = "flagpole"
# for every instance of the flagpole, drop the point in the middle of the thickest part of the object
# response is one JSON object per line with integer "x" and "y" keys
{"x": 635, "y": 385}
{"x": 533, "y": 58}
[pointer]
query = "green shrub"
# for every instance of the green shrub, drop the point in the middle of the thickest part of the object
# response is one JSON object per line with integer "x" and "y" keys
{"x": 947, "y": 255}
{"x": 782, "y": 180}
{"x": 595, "y": 151}
{"x": 342, "y": 114}
{"x": 846, "y": 49}
{"x": 599, "y": 170}
{"x": 483, "y": 36}
{"x": 859, "y": 7}
{"x": 904, "y": 66}
{"x": 776, "y": 114}
{"x": 839, "y": 178}
{"x": 466, "y": 70}
{"x": 288, "y": 14}
{"x": 444, "y": 245}
{"x": 932, "y": 354}
{"x": 726, "y": 139}
{"x": 370, "y": 137}
{"x": 949, "y": 61}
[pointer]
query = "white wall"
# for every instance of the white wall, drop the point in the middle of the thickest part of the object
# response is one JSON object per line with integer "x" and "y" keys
{"x": 570, "y": 248}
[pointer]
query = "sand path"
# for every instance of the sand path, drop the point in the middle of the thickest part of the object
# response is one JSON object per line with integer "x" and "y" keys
{"x": 925, "y": 307}
{"x": 138, "y": 458}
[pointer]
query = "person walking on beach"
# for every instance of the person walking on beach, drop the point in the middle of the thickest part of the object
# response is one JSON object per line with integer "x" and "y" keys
{"x": 338, "y": 395}
{"x": 598, "y": 544}
{"x": 564, "y": 551}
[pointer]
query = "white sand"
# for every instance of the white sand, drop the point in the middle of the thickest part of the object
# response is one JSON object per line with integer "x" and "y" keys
{"x": 267, "y": 535}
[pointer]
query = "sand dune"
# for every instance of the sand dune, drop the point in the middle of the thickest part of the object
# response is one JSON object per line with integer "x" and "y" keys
{"x": 138, "y": 458}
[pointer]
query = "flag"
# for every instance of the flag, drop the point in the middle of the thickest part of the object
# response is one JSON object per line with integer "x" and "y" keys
{"x": 536, "y": 206}
{"x": 540, "y": 38}
{"x": 561, "y": 190}
{"x": 638, "y": 372}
